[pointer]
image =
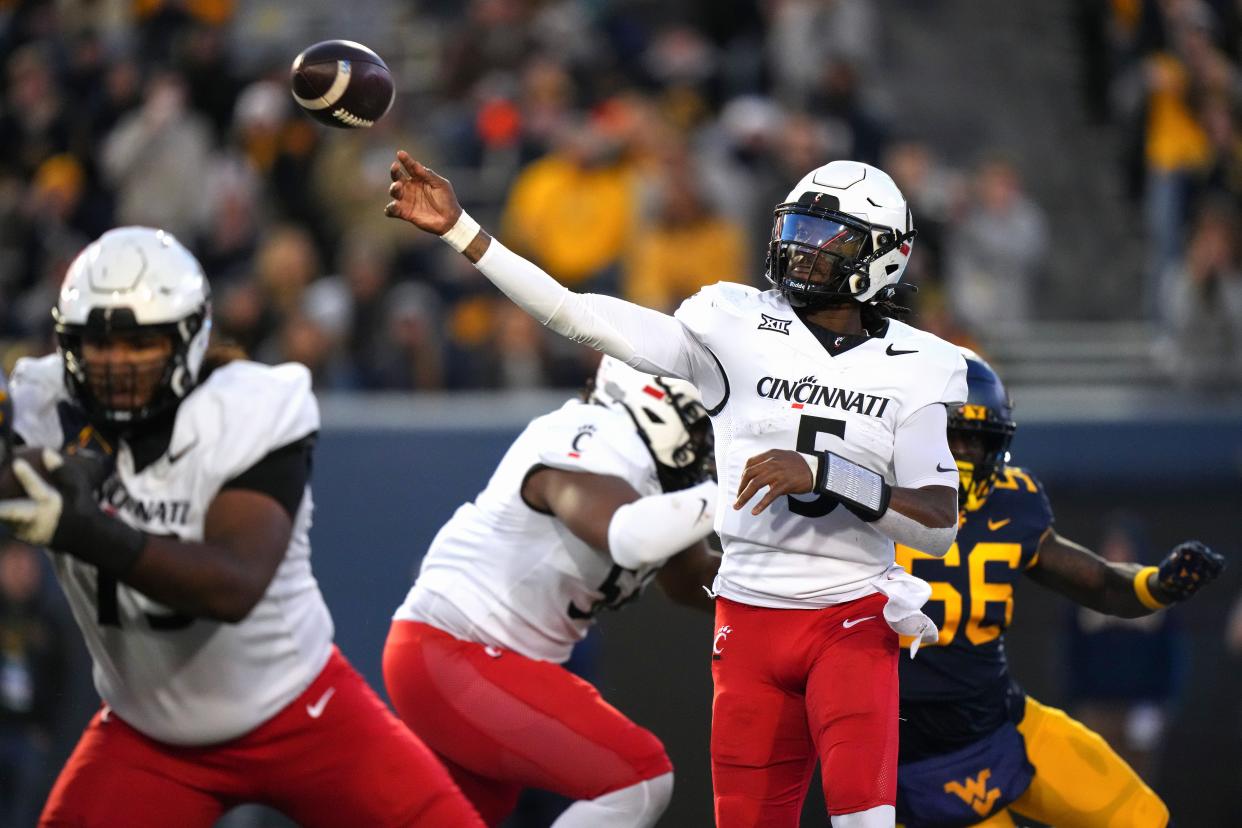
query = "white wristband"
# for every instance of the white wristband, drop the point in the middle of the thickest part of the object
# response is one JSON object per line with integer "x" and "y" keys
{"x": 462, "y": 233}
{"x": 812, "y": 461}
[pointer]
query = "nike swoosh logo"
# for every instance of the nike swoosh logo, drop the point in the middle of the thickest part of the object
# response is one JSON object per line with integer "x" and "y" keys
{"x": 173, "y": 458}
{"x": 316, "y": 710}
{"x": 702, "y": 509}
{"x": 945, "y": 470}
{"x": 993, "y": 525}
{"x": 847, "y": 623}
{"x": 494, "y": 652}
{"x": 889, "y": 350}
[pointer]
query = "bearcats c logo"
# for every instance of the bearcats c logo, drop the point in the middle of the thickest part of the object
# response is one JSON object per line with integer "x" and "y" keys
{"x": 585, "y": 431}
{"x": 721, "y": 635}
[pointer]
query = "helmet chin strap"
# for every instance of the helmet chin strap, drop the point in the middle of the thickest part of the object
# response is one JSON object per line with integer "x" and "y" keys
{"x": 855, "y": 284}
{"x": 819, "y": 301}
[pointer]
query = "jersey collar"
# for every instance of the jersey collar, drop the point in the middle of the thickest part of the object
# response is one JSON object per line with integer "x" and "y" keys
{"x": 151, "y": 443}
{"x": 837, "y": 343}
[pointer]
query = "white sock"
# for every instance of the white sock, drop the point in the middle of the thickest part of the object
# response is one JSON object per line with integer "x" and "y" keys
{"x": 881, "y": 816}
{"x": 638, "y": 806}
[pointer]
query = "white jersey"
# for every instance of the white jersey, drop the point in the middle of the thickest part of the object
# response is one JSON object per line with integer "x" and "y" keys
{"x": 182, "y": 680}
{"x": 776, "y": 386}
{"x": 503, "y": 574}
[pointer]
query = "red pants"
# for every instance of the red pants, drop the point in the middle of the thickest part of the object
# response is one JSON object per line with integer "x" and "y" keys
{"x": 502, "y": 722}
{"x": 792, "y": 686}
{"x": 352, "y": 764}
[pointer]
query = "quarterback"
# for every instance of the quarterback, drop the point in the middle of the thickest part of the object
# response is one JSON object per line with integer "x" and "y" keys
{"x": 186, "y": 562}
{"x": 829, "y": 420}
{"x": 588, "y": 505}
{"x": 973, "y": 744}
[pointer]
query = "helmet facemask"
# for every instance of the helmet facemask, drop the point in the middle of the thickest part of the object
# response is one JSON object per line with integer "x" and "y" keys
{"x": 819, "y": 256}
{"x": 980, "y": 442}
{"x": 669, "y": 417}
{"x": 691, "y": 461}
{"x": 120, "y": 392}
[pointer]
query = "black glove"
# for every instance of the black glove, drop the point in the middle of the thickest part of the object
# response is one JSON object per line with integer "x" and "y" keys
{"x": 1187, "y": 569}
{"x": 62, "y": 512}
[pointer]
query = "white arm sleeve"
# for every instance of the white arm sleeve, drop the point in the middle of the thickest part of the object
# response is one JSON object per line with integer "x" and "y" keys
{"x": 909, "y": 532}
{"x": 644, "y": 339}
{"x": 652, "y": 529}
{"x": 921, "y": 457}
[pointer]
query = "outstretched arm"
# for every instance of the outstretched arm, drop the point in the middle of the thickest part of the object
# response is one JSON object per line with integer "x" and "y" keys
{"x": 1127, "y": 590}
{"x": 645, "y": 339}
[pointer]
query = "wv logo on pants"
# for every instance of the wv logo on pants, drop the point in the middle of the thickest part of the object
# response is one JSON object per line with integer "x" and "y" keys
{"x": 718, "y": 641}
{"x": 975, "y": 792}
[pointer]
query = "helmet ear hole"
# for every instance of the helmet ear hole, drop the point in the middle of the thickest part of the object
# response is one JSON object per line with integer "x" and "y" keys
{"x": 890, "y": 269}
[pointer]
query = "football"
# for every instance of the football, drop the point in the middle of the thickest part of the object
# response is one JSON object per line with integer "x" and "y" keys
{"x": 342, "y": 84}
{"x": 95, "y": 465}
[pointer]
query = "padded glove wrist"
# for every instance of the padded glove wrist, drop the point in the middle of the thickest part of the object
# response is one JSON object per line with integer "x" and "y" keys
{"x": 862, "y": 491}
{"x": 64, "y": 514}
{"x": 84, "y": 531}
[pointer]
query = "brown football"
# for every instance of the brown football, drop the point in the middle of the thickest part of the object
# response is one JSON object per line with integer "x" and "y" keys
{"x": 343, "y": 84}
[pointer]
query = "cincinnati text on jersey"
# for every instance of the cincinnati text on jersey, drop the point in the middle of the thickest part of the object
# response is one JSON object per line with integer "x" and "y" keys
{"x": 807, "y": 392}
{"x": 147, "y": 512}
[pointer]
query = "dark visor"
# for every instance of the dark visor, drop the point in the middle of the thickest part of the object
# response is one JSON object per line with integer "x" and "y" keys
{"x": 822, "y": 234}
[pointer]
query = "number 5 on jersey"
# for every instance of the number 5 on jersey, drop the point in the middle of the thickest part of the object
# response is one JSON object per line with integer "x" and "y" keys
{"x": 809, "y": 429}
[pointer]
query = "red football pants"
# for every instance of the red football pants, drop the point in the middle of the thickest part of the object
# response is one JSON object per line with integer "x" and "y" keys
{"x": 335, "y": 756}
{"x": 502, "y": 722}
{"x": 792, "y": 686}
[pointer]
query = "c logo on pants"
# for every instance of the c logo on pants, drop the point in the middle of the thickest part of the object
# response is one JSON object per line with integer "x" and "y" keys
{"x": 721, "y": 635}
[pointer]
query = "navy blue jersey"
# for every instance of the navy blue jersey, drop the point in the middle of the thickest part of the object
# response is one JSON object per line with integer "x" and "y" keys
{"x": 959, "y": 689}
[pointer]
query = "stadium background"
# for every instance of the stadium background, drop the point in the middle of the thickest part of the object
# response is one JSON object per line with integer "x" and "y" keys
{"x": 1075, "y": 169}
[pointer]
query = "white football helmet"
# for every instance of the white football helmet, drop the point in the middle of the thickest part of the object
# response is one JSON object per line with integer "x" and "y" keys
{"x": 134, "y": 280}
{"x": 669, "y": 416}
{"x": 844, "y": 232}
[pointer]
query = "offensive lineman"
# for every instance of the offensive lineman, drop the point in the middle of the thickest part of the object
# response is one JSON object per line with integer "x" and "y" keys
{"x": 838, "y": 411}
{"x": 189, "y": 570}
{"x": 973, "y": 744}
{"x": 590, "y": 503}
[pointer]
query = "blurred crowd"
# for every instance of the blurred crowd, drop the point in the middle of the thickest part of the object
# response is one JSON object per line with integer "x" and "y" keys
{"x": 632, "y": 147}
{"x": 627, "y": 146}
{"x": 1168, "y": 74}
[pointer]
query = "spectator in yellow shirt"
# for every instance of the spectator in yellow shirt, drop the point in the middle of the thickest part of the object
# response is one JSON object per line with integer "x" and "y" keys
{"x": 686, "y": 246}
{"x": 572, "y": 211}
